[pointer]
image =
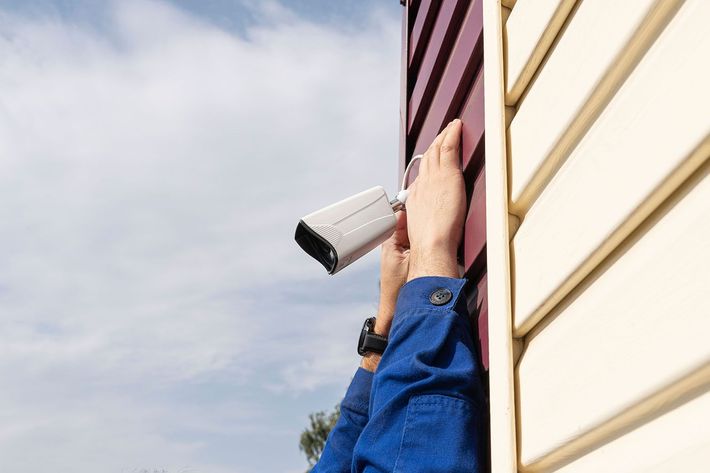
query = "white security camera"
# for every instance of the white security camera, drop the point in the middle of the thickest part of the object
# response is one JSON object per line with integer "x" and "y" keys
{"x": 343, "y": 232}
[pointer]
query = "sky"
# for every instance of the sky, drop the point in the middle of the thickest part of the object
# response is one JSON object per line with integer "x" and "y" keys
{"x": 155, "y": 158}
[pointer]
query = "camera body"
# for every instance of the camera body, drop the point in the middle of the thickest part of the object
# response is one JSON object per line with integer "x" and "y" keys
{"x": 341, "y": 233}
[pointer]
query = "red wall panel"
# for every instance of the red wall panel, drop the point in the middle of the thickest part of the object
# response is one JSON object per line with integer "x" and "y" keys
{"x": 455, "y": 81}
{"x": 403, "y": 92}
{"x": 442, "y": 79}
{"x": 474, "y": 239}
{"x": 421, "y": 29}
{"x": 435, "y": 58}
{"x": 477, "y": 301}
{"x": 483, "y": 319}
{"x": 414, "y": 6}
{"x": 473, "y": 125}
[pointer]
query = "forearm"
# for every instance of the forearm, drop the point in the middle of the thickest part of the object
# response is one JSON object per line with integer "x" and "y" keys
{"x": 338, "y": 452}
{"x": 427, "y": 410}
{"x": 383, "y": 322}
{"x": 431, "y": 346}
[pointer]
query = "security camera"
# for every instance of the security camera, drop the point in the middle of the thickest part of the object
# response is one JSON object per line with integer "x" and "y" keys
{"x": 341, "y": 233}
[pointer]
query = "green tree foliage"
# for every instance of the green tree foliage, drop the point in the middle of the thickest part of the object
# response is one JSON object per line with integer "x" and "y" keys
{"x": 313, "y": 438}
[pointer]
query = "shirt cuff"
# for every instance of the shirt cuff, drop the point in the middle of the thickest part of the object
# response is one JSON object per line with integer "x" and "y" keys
{"x": 358, "y": 396}
{"x": 417, "y": 293}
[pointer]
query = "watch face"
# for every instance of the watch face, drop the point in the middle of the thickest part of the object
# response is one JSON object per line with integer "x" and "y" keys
{"x": 366, "y": 327}
{"x": 360, "y": 342}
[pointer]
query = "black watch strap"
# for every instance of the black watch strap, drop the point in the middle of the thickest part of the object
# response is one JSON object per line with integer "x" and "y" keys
{"x": 369, "y": 341}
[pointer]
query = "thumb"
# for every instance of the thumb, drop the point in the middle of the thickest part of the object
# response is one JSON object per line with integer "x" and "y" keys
{"x": 401, "y": 237}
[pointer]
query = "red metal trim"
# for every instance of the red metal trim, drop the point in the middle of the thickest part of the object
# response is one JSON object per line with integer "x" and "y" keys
{"x": 406, "y": 11}
{"x": 413, "y": 6}
{"x": 442, "y": 40}
{"x": 474, "y": 239}
{"x": 483, "y": 319}
{"x": 455, "y": 83}
{"x": 421, "y": 31}
{"x": 479, "y": 305}
{"x": 472, "y": 117}
{"x": 439, "y": 82}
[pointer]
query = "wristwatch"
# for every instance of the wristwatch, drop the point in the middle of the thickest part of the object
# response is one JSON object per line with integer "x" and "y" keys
{"x": 369, "y": 341}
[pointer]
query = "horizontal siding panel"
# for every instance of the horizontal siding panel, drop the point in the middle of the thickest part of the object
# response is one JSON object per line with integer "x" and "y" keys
{"x": 596, "y": 52}
{"x": 445, "y": 30}
{"x": 456, "y": 78}
{"x": 530, "y": 30}
{"x": 676, "y": 442}
{"x": 474, "y": 240}
{"x": 653, "y": 134}
{"x": 637, "y": 330}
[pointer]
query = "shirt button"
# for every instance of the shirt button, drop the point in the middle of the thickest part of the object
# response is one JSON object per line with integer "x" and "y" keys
{"x": 440, "y": 296}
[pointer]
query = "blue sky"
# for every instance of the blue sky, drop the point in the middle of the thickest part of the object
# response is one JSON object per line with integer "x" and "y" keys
{"x": 155, "y": 312}
{"x": 232, "y": 15}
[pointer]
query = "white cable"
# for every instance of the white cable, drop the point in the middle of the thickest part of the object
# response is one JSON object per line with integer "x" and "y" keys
{"x": 406, "y": 171}
{"x": 403, "y": 192}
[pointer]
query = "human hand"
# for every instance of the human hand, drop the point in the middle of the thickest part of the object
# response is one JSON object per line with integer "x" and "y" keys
{"x": 394, "y": 267}
{"x": 436, "y": 208}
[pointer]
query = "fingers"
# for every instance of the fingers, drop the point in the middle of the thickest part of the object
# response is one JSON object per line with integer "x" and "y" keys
{"x": 432, "y": 153}
{"x": 423, "y": 165}
{"x": 400, "y": 232}
{"x": 400, "y": 237}
{"x": 444, "y": 150}
{"x": 450, "y": 145}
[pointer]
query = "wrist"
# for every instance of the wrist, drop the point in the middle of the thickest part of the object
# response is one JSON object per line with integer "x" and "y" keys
{"x": 389, "y": 291}
{"x": 441, "y": 246}
{"x": 384, "y": 316}
{"x": 436, "y": 262}
{"x": 370, "y": 362}
{"x": 382, "y": 325}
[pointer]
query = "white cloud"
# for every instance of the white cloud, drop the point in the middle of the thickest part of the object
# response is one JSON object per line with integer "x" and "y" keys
{"x": 151, "y": 175}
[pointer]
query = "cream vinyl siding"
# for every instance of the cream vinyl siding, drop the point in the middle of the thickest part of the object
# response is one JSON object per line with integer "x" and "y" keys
{"x": 640, "y": 328}
{"x": 597, "y": 147}
{"x": 595, "y": 53}
{"x": 530, "y": 30}
{"x": 650, "y": 448}
{"x": 639, "y": 149}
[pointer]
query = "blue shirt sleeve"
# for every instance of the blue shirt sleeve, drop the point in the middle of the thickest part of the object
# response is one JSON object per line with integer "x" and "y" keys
{"x": 337, "y": 455}
{"x": 427, "y": 411}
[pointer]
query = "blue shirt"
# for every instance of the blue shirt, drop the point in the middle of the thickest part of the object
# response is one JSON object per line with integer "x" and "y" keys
{"x": 424, "y": 409}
